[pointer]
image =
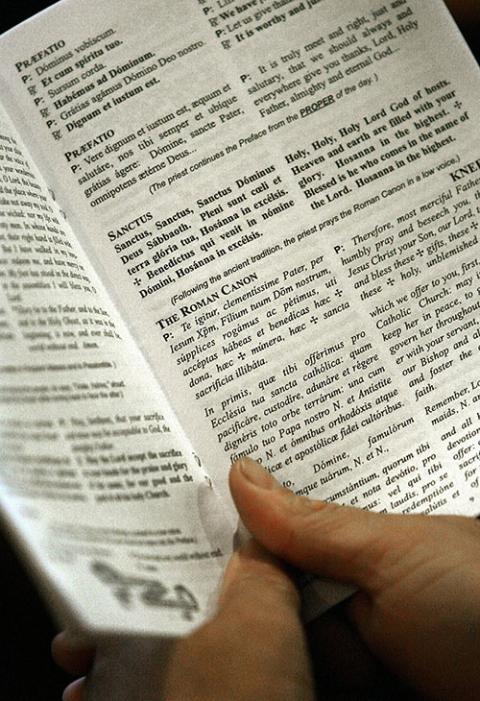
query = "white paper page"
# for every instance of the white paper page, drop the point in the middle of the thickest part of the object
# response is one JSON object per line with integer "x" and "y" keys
{"x": 98, "y": 484}
{"x": 284, "y": 203}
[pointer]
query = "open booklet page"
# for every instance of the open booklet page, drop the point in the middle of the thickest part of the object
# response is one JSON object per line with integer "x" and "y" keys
{"x": 102, "y": 491}
{"x": 282, "y": 198}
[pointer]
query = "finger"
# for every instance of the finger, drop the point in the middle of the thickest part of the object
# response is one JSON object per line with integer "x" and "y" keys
{"x": 418, "y": 576}
{"x": 75, "y": 691}
{"x": 72, "y": 655}
{"x": 254, "y": 647}
{"x": 253, "y": 572}
{"x": 344, "y": 543}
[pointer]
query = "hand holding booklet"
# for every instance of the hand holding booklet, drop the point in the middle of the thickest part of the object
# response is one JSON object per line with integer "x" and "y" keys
{"x": 229, "y": 228}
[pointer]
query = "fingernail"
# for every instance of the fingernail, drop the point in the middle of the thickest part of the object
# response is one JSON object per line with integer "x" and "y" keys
{"x": 256, "y": 474}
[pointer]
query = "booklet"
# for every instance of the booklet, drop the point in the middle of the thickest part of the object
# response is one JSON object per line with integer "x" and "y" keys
{"x": 229, "y": 227}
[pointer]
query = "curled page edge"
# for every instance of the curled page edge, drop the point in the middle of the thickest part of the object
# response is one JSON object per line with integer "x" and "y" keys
{"x": 219, "y": 529}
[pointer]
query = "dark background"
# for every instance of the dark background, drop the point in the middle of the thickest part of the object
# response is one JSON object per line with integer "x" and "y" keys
{"x": 26, "y": 670}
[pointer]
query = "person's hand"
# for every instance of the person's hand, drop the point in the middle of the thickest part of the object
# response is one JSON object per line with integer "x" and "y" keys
{"x": 418, "y": 605}
{"x": 417, "y": 611}
{"x": 253, "y": 649}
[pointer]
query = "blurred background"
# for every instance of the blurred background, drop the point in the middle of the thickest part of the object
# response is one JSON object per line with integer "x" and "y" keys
{"x": 26, "y": 670}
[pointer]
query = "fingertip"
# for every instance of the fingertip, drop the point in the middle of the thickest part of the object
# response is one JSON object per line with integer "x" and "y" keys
{"x": 237, "y": 482}
{"x": 75, "y": 691}
{"x": 236, "y": 477}
{"x": 252, "y": 501}
{"x": 58, "y": 646}
{"x": 264, "y": 505}
{"x": 254, "y": 473}
{"x": 72, "y": 654}
{"x": 252, "y": 486}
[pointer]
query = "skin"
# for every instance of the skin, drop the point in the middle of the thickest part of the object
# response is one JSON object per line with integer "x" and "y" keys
{"x": 416, "y": 613}
{"x": 414, "y": 620}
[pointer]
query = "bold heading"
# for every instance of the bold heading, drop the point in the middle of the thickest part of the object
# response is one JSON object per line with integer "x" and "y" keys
{"x": 47, "y": 51}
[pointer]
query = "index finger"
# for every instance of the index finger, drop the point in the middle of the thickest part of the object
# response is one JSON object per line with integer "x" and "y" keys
{"x": 254, "y": 647}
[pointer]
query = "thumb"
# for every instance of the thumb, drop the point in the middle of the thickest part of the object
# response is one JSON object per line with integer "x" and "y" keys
{"x": 339, "y": 542}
